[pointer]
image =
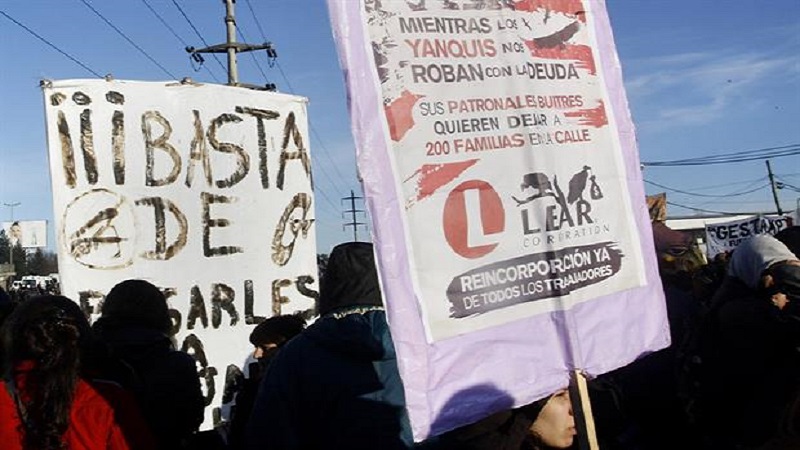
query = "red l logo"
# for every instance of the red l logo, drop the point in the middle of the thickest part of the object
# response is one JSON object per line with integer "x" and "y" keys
{"x": 472, "y": 213}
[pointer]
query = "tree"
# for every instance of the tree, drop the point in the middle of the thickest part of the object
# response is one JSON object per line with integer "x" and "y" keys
{"x": 50, "y": 263}
{"x": 42, "y": 262}
{"x": 36, "y": 263}
{"x": 20, "y": 259}
{"x": 5, "y": 247}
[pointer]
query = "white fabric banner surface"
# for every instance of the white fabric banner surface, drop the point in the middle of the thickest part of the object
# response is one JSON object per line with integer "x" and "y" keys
{"x": 502, "y": 178}
{"x": 203, "y": 190}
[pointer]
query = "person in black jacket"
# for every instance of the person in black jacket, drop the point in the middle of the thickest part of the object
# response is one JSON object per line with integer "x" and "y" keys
{"x": 135, "y": 324}
{"x": 751, "y": 366}
{"x": 267, "y": 339}
{"x": 336, "y": 385}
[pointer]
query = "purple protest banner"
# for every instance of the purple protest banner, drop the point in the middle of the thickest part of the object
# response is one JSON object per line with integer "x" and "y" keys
{"x": 502, "y": 178}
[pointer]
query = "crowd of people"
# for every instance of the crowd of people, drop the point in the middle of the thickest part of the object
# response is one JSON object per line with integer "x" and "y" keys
{"x": 730, "y": 380}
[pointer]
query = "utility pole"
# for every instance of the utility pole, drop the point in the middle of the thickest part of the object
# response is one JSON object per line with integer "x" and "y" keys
{"x": 231, "y": 47}
{"x": 11, "y": 206}
{"x": 774, "y": 189}
{"x": 353, "y": 211}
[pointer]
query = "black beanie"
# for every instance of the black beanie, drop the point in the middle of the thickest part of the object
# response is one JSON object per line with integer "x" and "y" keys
{"x": 277, "y": 330}
{"x": 351, "y": 278}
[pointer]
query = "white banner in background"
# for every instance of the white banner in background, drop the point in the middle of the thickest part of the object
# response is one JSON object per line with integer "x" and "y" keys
{"x": 725, "y": 237}
{"x": 28, "y": 233}
{"x": 203, "y": 190}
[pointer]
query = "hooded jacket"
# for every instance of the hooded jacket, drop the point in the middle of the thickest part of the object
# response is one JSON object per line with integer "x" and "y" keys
{"x": 336, "y": 385}
{"x": 164, "y": 382}
{"x": 749, "y": 351}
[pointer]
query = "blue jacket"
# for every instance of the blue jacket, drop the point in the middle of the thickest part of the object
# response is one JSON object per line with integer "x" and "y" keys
{"x": 335, "y": 386}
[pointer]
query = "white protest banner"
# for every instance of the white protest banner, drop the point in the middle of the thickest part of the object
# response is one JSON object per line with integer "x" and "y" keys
{"x": 203, "y": 190}
{"x": 502, "y": 178}
{"x": 725, "y": 237}
{"x": 28, "y": 233}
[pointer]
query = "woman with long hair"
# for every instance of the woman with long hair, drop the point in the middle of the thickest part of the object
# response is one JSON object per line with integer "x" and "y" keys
{"x": 45, "y": 403}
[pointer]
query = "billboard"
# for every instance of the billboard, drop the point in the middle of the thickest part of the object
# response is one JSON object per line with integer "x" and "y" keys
{"x": 28, "y": 233}
{"x": 502, "y": 177}
{"x": 203, "y": 190}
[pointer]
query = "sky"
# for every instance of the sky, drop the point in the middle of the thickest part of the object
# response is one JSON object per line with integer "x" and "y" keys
{"x": 703, "y": 77}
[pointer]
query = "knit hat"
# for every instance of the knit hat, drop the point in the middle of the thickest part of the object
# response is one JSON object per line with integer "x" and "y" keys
{"x": 351, "y": 278}
{"x": 136, "y": 304}
{"x": 277, "y": 330}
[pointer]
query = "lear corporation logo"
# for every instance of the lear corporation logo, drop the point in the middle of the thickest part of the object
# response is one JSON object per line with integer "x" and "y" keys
{"x": 474, "y": 216}
{"x": 546, "y": 209}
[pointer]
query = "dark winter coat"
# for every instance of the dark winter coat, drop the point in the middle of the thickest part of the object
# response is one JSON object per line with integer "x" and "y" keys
{"x": 751, "y": 365}
{"x": 335, "y": 386}
{"x": 164, "y": 382}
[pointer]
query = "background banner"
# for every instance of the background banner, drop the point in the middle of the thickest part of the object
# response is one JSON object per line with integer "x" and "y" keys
{"x": 203, "y": 190}
{"x": 28, "y": 233}
{"x": 502, "y": 178}
{"x": 725, "y": 237}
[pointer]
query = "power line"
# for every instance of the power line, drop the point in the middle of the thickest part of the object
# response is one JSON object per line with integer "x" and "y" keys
{"x": 732, "y": 194}
{"x": 702, "y": 210}
{"x": 785, "y": 185}
{"x": 314, "y": 132}
{"x": 326, "y": 152}
{"x": 255, "y": 18}
{"x": 736, "y": 157}
{"x": 37, "y": 36}
{"x": 165, "y": 23}
{"x": 328, "y": 199}
{"x": 141, "y": 50}
{"x": 174, "y": 33}
{"x": 749, "y": 185}
{"x": 748, "y": 182}
{"x": 285, "y": 78}
{"x": 252, "y": 54}
{"x": 197, "y": 32}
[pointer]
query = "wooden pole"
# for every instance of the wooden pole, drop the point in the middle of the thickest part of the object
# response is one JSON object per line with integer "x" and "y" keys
{"x": 582, "y": 411}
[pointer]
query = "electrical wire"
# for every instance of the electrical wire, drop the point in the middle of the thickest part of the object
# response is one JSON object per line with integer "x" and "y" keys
{"x": 140, "y": 49}
{"x": 285, "y": 78}
{"x": 255, "y": 18}
{"x": 702, "y": 210}
{"x": 785, "y": 185}
{"x": 732, "y": 194}
{"x": 326, "y": 198}
{"x": 314, "y": 131}
{"x": 748, "y": 182}
{"x": 252, "y": 54}
{"x": 197, "y": 32}
{"x": 53, "y": 46}
{"x": 174, "y": 33}
{"x": 735, "y": 157}
{"x": 750, "y": 185}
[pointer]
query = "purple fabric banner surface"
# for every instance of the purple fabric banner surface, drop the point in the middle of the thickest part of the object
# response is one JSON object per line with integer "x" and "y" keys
{"x": 499, "y": 277}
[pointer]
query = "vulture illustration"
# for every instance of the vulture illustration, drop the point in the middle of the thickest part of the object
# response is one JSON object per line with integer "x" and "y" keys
{"x": 577, "y": 184}
{"x": 538, "y": 181}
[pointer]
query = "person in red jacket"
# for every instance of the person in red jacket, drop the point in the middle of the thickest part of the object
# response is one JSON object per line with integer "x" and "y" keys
{"x": 45, "y": 403}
